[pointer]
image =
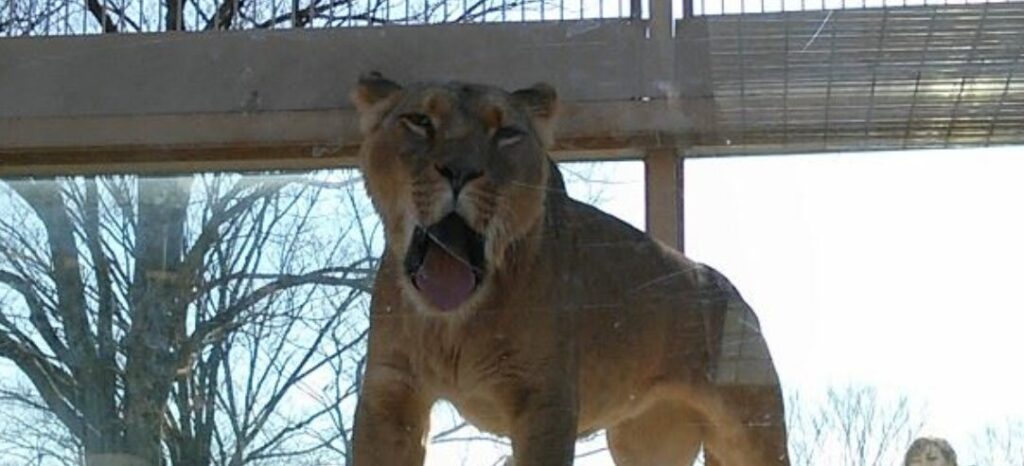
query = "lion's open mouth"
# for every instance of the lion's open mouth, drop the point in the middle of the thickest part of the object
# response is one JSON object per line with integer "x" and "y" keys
{"x": 446, "y": 261}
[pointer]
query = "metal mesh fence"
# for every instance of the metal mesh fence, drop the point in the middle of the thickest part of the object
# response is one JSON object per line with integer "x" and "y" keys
{"x": 735, "y": 7}
{"x": 882, "y": 78}
{"x": 76, "y": 17}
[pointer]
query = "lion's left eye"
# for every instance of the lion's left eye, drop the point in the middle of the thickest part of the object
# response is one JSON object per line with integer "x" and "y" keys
{"x": 507, "y": 136}
{"x": 419, "y": 124}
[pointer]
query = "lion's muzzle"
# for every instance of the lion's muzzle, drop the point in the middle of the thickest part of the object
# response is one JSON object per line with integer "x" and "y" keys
{"x": 445, "y": 261}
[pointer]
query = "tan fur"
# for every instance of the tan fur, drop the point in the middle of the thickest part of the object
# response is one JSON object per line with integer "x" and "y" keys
{"x": 582, "y": 323}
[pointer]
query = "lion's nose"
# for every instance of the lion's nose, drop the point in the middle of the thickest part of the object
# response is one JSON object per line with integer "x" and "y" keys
{"x": 457, "y": 176}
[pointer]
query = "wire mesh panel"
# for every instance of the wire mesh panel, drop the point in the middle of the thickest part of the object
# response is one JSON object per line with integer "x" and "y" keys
{"x": 72, "y": 17}
{"x": 887, "y": 78}
{"x": 731, "y": 7}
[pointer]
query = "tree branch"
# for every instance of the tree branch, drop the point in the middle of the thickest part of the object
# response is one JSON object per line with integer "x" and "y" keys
{"x": 54, "y": 386}
{"x": 37, "y": 313}
{"x": 100, "y": 13}
{"x": 46, "y": 200}
{"x": 226, "y": 13}
{"x": 283, "y": 282}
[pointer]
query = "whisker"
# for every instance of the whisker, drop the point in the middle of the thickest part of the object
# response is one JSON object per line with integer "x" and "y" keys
{"x": 537, "y": 187}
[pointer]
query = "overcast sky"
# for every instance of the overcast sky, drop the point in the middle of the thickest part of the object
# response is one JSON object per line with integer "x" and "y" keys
{"x": 897, "y": 270}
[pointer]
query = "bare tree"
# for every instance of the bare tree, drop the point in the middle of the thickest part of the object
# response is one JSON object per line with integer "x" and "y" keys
{"x": 138, "y": 299}
{"x": 1000, "y": 445}
{"x": 46, "y": 17}
{"x": 33, "y": 436}
{"x": 851, "y": 426}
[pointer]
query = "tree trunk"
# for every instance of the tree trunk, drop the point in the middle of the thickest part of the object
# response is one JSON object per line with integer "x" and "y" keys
{"x": 157, "y": 298}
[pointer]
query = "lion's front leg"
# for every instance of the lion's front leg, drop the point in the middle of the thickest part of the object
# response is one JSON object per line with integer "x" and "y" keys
{"x": 544, "y": 430}
{"x": 391, "y": 420}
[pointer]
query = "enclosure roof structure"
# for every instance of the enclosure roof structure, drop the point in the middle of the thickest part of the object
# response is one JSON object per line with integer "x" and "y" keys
{"x": 898, "y": 78}
{"x": 886, "y": 78}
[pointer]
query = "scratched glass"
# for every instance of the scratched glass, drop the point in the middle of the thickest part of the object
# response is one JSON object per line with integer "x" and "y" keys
{"x": 188, "y": 250}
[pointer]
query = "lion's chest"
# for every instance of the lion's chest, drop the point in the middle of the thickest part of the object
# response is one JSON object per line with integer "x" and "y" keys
{"x": 480, "y": 377}
{"x": 484, "y": 411}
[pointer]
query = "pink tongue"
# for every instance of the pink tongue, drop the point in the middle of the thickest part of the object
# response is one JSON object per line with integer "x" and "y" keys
{"x": 445, "y": 280}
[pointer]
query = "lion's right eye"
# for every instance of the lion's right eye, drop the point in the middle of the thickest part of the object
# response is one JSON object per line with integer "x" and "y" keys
{"x": 508, "y": 136}
{"x": 418, "y": 123}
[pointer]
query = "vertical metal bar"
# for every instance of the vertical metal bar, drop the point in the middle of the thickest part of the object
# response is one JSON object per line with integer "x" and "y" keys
{"x": 635, "y": 9}
{"x": 681, "y": 203}
{"x": 785, "y": 82}
{"x": 742, "y": 59}
{"x": 688, "y": 8}
{"x": 11, "y": 14}
{"x": 661, "y": 176}
{"x": 869, "y": 118}
{"x": 46, "y": 24}
{"x": 827, "y": 130}
{"x": 661, "y": 19}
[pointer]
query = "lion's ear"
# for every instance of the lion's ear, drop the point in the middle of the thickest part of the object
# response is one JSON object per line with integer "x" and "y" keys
{"x": 541, "y": 103}
{"x": 372, "y": 90}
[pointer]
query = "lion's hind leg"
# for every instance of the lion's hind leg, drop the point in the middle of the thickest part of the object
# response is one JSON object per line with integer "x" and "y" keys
{"x": 747, "y": 427}
{"x": 666, "y": 434}
{"x": 737, "y": 425}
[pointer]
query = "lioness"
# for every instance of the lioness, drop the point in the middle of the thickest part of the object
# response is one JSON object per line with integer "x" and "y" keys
{"x": 539, "y": 317}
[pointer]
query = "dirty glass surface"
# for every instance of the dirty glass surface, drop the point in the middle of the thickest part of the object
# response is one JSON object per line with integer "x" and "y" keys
{"x": 105, "y": 282}
{"x": 222, "y": 318}
{"x": 888, "y": 286}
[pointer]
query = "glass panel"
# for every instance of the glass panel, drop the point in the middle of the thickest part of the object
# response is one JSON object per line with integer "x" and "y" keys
{"x": 226, "y": 318}
{"x": 616, "y": 187}
{"x": 240, "y": 297}
{"x": 888, "y": 287}
{"x": 267, "y": 273}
